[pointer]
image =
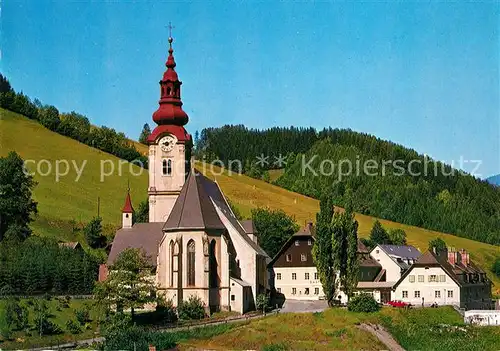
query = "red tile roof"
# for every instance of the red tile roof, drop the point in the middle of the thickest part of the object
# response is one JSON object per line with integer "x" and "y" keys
{"x": 127, "y": 207}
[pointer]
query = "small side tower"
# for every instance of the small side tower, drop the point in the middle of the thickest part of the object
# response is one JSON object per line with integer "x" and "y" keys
{"x": 127, "y": 212}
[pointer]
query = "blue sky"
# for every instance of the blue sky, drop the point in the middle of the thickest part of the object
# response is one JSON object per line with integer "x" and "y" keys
{"x": 423, "y": 75}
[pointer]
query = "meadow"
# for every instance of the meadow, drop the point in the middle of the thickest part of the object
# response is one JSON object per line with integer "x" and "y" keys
{"x": 337, "y": 329}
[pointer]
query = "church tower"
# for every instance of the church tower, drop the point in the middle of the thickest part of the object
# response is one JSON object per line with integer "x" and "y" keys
{"x": 127, "y": 212}
{"x": 169, "y": 146}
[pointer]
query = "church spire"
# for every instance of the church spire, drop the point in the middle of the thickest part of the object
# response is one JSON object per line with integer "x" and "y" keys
{"x": 127, "y": 211}
{"x": 170, "y": 111}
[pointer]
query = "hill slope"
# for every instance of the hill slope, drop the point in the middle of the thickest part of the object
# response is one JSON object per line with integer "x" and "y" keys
{"x": 248, "y": 193}
{"x": 68, "y": 200}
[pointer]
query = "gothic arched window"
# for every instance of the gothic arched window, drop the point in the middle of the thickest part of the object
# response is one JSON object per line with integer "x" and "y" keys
{"x": 168, "y": 90}
{"x": 191, "y": 272}
{"x": 171, "y": 247}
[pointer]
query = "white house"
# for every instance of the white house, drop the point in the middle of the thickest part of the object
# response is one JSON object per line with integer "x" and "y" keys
{"x": 395, "y": 259}
{"x": 482, "y": 317}
{"x": 447, "y": 278}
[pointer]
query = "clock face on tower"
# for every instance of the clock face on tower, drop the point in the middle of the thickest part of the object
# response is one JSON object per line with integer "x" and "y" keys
{"x": 167, "y": 143}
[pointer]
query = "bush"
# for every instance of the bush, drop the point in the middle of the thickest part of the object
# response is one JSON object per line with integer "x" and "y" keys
{"x": 262, "y": 302}
{"x": 73, "y": 327}
{"x": 165, "y": 311}
{"x": 193, "y": 308}
{"x": 363, "y": 303}
{"x": 82, "y": 316}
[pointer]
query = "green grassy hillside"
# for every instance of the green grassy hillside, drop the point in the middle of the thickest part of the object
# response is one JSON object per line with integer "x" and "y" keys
{"x": 64, "y": 203}
{"x": 61, "y": 203}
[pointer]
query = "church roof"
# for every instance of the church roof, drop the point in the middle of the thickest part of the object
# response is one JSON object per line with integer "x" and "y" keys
{"x": 145, "y": 236}
{"x": 194, "y": 209}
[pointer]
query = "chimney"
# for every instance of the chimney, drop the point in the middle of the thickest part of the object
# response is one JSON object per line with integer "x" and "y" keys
{"x": 452, "y": 256}
{"x": 309, "y": 227}
{"x": 464, "y": 257}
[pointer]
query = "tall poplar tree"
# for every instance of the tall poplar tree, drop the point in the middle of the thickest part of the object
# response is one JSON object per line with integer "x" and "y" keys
{"x": 322, "y": 250}
{"x": 344, "y": 247}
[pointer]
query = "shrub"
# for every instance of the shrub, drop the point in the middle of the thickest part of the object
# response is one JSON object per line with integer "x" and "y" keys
{"x": 165, "y": 310}
{"x": 82, "y": 316}
{"x": 193, "y": 308}
{"x": 73, "y": 327}
{"x": 363, "y": 303}
{"x": 262, "y": 302}
{"x": 16, "y": 315}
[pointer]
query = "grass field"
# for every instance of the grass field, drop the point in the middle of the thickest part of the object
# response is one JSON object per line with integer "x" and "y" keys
{"x": 59, "y": 315}
{"x": 64, "y": 203}
{"x": 336, "y": 329}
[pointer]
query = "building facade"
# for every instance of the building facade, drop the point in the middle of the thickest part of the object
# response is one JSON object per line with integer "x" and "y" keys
{"x": 445, "y": 278}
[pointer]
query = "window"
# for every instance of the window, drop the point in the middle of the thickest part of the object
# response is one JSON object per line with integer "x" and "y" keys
{"x": 169, "y": 167}
{"x": 289, "y": 258}
{"x": 309, "y": 242}
{"x": 316, "y": 276}
{"x": 420, "y": 278}
{"x": 432, "y": 278}
{"x": 450, "y": 293}
{"x": 233, "y": 297}
{"x": 294, "y": 276}
{"x": 316, "y": 291}
{"x": 278, "y": 290}
{"x": 171, "y": 262}
{"x": 306, "y": 291}
{"x": 306, "y": 276}
{"x": 405, "y": 294}
{"x": 297, "y": 243}
{"x": 278, "y": 276}
{"x": 442, "y": 278}
{"x": 191, "y": 263}
{"x": 437, "y": 294}
{"x": 303, "y": 257}
{"x": 377, "y": 251}
{"x": 412, "y": 279}
{"x": 126, "y": 215}
{"x": 417, "y": 293}
{"x": 164, "y": 167}
{"x": 294, "y": 291}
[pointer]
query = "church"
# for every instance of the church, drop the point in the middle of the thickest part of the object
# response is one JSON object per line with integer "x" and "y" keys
{"x": 194, "y": 241}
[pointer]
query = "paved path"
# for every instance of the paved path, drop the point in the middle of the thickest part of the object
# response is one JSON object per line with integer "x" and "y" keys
{"x": 304, "y": 306}
{"x": 383, "y": 335}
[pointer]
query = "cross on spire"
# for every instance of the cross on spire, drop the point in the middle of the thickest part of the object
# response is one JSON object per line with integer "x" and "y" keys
{"x": 170, "y": 39}
{"x": 170, "y": 27}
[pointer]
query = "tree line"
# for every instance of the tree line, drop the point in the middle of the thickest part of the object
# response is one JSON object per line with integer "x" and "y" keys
{"x": 72, "y": 124}
{"x": 445, "y": 200}
{"x": 39, "y": 265}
